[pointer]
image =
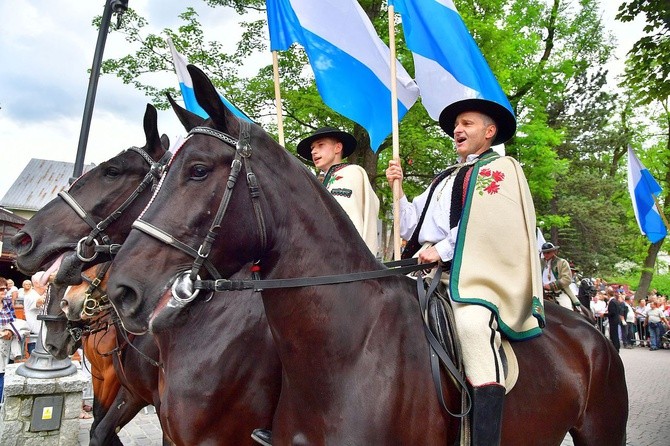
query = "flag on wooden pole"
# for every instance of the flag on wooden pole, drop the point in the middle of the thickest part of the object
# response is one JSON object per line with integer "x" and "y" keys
{"x": 186, "y": 86}
{"x": 643, "y": 190}
{"x": 448, "y": 64}
{"x": 351, "y": 64}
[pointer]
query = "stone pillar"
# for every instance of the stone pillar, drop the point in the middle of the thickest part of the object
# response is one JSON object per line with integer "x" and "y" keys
{"x": 16, "y": 414}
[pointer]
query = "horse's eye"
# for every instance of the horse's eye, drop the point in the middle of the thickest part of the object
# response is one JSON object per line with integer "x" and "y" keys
{"x": 112, "y": 172}
{"x": 199, "y": 172}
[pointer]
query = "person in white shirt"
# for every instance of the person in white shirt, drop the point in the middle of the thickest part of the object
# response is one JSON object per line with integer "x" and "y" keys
{"x": 33, "y": 302}
{"x": 478, "y": 219}
{"x": 628, "y": 330}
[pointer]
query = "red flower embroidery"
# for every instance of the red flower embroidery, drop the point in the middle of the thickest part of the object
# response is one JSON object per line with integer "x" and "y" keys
{"x": 489, "y": 181}
{"x": 498, "y": 176}
{"x": 492, "y": 188}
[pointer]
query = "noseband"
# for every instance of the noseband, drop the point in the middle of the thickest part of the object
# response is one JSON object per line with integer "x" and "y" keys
{"x": 74, "y": 332}
{"x": 183, "y": 286}
{"x": 156, "y": 169}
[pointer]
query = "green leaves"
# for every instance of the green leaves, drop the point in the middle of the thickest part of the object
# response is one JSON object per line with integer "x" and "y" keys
{"x": 549, "y": 57}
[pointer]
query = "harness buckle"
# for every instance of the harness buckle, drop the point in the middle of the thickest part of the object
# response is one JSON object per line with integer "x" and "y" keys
{"x": 201, "y": 254}
{"x": 223, "y": 285}
{"x": 80, "y": 250}
{"x": 254, "y": 190}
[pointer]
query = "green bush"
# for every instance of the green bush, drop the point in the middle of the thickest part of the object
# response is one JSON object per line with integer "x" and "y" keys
{"x": 660, "y": 282}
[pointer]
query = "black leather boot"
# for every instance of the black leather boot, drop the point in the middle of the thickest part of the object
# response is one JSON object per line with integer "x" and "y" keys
{"x": 262, "y": 436}
{"x": 487, "y": 408}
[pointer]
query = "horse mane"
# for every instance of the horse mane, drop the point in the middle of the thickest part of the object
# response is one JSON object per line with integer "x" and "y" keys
{"x": 324, "y": 208}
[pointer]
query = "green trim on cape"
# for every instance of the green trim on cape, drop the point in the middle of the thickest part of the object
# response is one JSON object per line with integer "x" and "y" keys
{"x": 527, "y": 313}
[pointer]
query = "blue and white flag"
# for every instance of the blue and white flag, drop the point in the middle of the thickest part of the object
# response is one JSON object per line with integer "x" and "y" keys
{"x": 186, "y": 86}
{"x": 642, "y": 187}
{"x": 448, "y": 64}
{"x": 351, "y": 64}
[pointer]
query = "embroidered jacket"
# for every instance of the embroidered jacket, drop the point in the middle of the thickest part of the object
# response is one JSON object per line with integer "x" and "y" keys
{"x": 495, "y": 261}
{"x": 349, "y": 185}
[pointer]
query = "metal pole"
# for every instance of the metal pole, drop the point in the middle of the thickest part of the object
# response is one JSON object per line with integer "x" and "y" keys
{"x": 111, "y": 6}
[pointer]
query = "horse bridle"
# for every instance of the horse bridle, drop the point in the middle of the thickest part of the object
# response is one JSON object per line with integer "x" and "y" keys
{"x": 183, "y": 290}
{"x": 75, "y": 332}
{"x": 156, "y": 169}
{"x": 187, "y": 285}
{"x": 94, "y": 305}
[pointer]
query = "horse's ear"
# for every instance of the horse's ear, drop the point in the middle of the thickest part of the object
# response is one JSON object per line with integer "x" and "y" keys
{"x": 154, "y": 144}
{"x": 165, "y": 141}
{"x": 188, "y": 119}
{"x": 209, "y": 100}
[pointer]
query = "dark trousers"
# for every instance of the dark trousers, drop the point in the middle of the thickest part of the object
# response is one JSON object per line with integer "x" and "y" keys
{"x": 614, "y": 333}
{"x": 642, "y": 331}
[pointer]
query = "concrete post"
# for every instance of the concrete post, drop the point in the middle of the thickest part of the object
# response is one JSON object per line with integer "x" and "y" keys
{"x": 16, "y": 416}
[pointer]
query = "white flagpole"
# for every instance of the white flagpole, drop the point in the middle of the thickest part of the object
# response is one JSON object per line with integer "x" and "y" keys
{"x": 280, "y": 119}
{"x": 395, "y": 136}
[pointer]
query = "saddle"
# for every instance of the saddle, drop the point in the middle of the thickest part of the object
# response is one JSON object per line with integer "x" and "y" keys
{"x": 441, "y": 324}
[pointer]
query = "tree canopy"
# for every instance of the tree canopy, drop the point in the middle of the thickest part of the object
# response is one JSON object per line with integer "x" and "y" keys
{"x": 550, "y": 58}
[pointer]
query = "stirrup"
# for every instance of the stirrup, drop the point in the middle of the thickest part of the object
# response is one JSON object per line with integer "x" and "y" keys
{"x": 262, "y": 436}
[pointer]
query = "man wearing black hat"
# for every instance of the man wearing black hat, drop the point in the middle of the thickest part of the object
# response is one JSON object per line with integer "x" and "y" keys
{"x": 557, "y": 277}
{"x": 348, "y": 183}
{"x": 478, "y": 218}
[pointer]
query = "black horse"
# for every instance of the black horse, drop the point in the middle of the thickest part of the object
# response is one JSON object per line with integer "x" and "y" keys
{"x": 354, "y": 357}
{"x": 236, "y": 386}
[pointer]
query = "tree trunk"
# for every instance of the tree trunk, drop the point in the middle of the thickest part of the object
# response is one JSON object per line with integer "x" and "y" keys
{"x": 648, "y": 270}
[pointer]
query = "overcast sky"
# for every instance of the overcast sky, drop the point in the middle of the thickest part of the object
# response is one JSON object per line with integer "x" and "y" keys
{"x": 46, "y": 48}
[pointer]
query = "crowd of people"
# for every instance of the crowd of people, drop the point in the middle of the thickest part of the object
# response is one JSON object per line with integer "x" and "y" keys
{"x": 628, "y": 323}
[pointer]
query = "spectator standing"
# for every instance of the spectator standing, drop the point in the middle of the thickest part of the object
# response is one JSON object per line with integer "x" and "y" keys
{"x": 6, "y": 332}
{"x": 33, "y": 302}
{"x": 599, "y": 308}
{"x": 629, "y": 332}
{"x": 656, "y": 323}
{"x": 26, "y": 286}
{"x": 12, "y": 293}
{"x": 641, "y": 316}
{"x": 614, "y": 320}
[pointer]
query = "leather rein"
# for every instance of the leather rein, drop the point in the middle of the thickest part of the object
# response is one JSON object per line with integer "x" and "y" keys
{"x": 187, "y": 285}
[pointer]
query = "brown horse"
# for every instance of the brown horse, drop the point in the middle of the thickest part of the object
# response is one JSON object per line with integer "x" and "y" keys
{"x": 236, "y": 386}
{"x": 354, "y": 356}
{"x": 121, "y": 193}
{"x": 116, "y": 401}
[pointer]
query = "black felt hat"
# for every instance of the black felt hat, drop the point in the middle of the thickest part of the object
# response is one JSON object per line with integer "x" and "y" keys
{"x": 548, "y": 247}
{"x": 504, "y": 119}
{"x": 347, "y": 139}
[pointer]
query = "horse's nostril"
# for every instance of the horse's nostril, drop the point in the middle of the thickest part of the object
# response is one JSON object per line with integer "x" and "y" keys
{"x": 64, "y": 306}
{"x": 22, "y": 242}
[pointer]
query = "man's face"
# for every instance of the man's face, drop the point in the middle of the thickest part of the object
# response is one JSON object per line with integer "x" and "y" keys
{"x": 326, "y": 152}
{"x": 472, "y": 134}
{"x": 10, "y": 283}
{"x": 549, "y": 255}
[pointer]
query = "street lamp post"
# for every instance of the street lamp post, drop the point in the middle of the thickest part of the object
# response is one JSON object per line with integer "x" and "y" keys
{"x": 111, "y": 7}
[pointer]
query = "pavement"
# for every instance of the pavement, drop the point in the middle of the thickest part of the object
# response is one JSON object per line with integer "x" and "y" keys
{"x": 647, "y": 376}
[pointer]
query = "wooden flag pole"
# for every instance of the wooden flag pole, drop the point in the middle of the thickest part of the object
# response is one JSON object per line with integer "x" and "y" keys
{"x": 660, "y": 211}
{"x": 395, "y": 136}
{"x": 280, "y": 118}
